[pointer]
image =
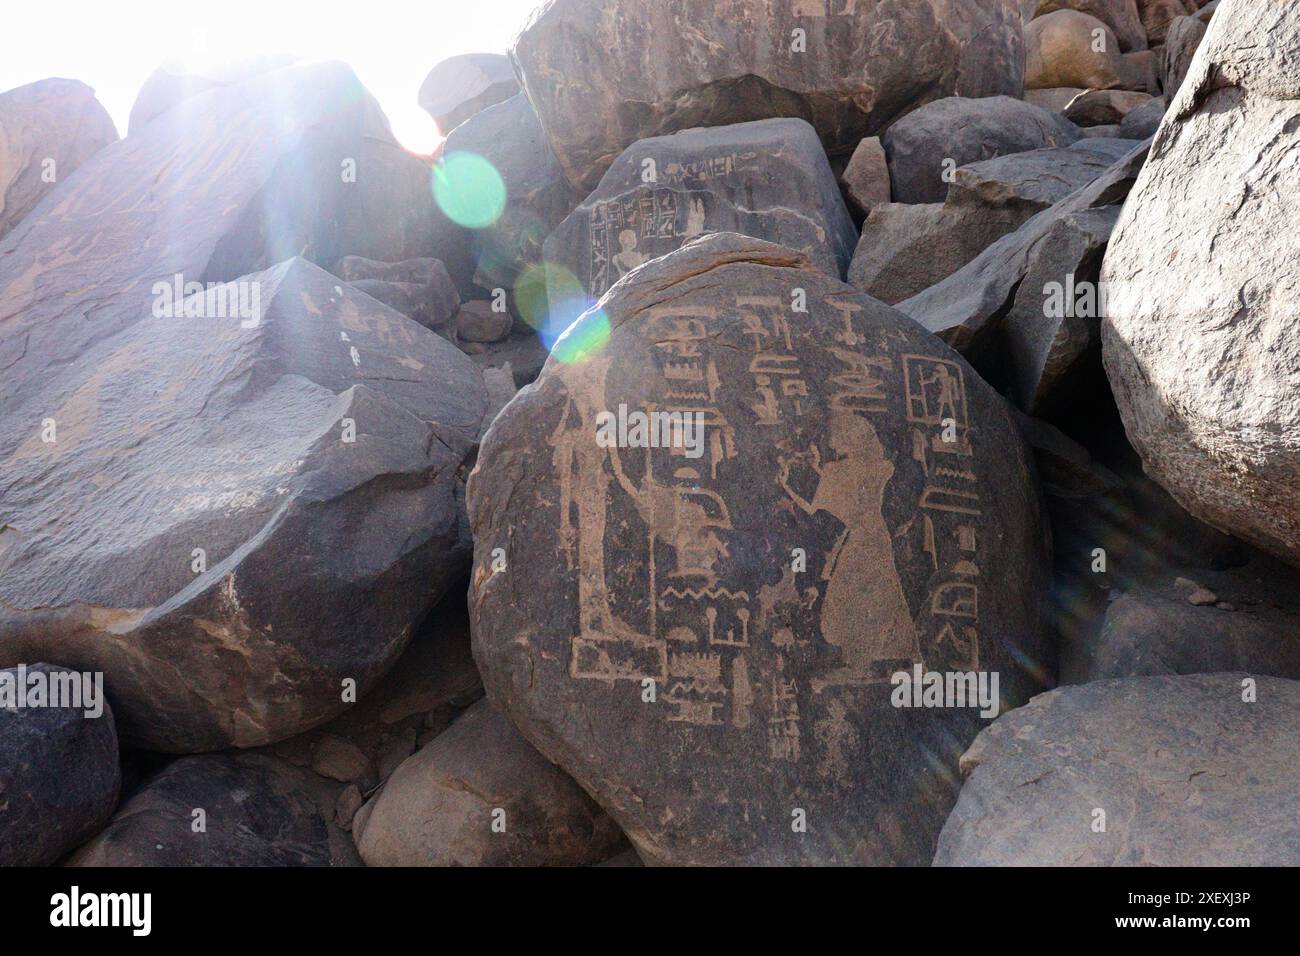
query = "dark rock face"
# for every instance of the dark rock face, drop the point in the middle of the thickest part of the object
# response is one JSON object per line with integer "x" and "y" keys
{"x": 1186, "y": 772}
{"x": 1201, "y": 348}
{"x": 461, "y": 86}
{"x": 1143, "y": 121}
{"x": 47, "y": 130}
{"x": 202, "y": 528}
{"x": 59, "y": 773}
{"x": 538, "y": 196}
{"x": 439, "y": 808}
{"x": 420, "y": 289}
{"x": 771, "y": 667}
{"x": 1104, "y": 107}
{"x": 256, "y": 811}
{"x": 767, "y": 179}
{"x": 651, "y": 69}
{"x": 952, "y": 132}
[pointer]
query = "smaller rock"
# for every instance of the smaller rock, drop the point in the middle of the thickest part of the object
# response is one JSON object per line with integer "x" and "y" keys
{"x": 397, "y": 750}
{"x": 1184, "y": 38}
{"x": 1061, "y": 49}
{"x": 866, "y": 178}
{"x": 340, "y": 759}
{"x": 1055, "y": 99}
{"x": 1103, "y": 107}
{"x": 477, "y": 321}
{"x": 1159, "y": 15}
{"x": 1202, "y": 598}
{"x": 463, "y": 85}
{"x": 349, "y": 802}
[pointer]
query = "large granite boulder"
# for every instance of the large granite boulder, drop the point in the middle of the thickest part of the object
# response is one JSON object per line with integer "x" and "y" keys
{"x": 768, "y": 179}
{"x": 1200, "y": 343}
{"x": 47, "y": 130}
{"x": 1068, "y": 48}
{"x": 1148, "y": 771}
{"x": 173, "y": 83}
{"x": 59, "y": 772}
{"x": 1120, "y": 15}
{"x": 849, "y": 68}
{"x": 234, "y": 515}
{"x": 223, "y": 810}
{"x": 538, "y": 196}
{"x": 926, "y": 146}
{"x": 728, "y": 615}
{"x": 481, "y": 795}
{"x": 460, "y": 86}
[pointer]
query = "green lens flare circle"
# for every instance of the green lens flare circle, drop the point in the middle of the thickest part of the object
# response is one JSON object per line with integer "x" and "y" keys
{"x": 469, "y": 190}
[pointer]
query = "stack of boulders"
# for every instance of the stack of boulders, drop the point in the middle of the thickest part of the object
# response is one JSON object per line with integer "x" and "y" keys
{"x": 907, "y": 415}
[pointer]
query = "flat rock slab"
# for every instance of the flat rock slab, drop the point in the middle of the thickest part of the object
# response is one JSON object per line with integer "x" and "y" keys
{"x": 1184, "y": 770}
{"x": 655, "y": 68}
{"x": 1201, "y": 347}
{"x": 59, "y": 772}
{"x": 208, "y": 529}
{"x": 254, "y": 810}
{"x": 822, "y": 536}
{"x": 767, "y": 179}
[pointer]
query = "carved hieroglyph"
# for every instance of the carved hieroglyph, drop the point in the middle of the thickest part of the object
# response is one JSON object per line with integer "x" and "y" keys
{"x": 844, "y": 523}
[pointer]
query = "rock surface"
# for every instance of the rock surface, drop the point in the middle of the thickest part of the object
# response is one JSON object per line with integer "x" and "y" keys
{"x": 1181, "y": 43}
{"x": 768, "y": 179}
{"x": 937, "y": 138}
{"x": 178, "y": 520}
{"x": 1186, "y": 772}
{"x": 1157, "y": 15}
{"x": 1103, "y": 107}
{"x": 59, "y": 773}
{"x": 538, "y": 197}
{"x": 651, "y": 69}
{"x": 1201, "y": 347}
{"x": 1120, "y": 15}
{"x": 256, "y": 811}
{"x": 172, "y": 84}
{"x": 461, "y": 86}
{"x": 1068, "y": 48}
{"x": 866, "y": 178}
{"x": 440, "y": 807}
{"x": 771, "y": 680}
{"x": 47, "y": 130}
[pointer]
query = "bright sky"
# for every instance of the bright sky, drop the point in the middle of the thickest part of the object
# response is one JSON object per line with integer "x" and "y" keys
{"x": 113, "y": 45}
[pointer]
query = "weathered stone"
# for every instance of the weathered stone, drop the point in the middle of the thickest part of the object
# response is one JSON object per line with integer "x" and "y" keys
{"x": 1201, "y": 346}
{"x": 256, "y": 811}
{"x": 461, "y": 86}
{"x": 477, "y": 321}
{"x": 480, "y": 795}
{"x": 650, "y": 69}
{"x": 412, "y": 271}
{"x": 905, "y": 249}
{"x": 1207, "y": 11}
{"x": 965, "y": 306}
{"x": 340, "y": 759}
{"x": 59, "y": 774}
{"x": 1055, "y": 99}
{"x": 1149, "y": 631}
{"x": 538, "y": 197}
{"x": 1187, "y": 773}
{"x": 1184, "y": 38}
{"x": 866, "y": 178}
{"x": 1103, "y": 107}
{"x": 1120, "y": 15}
{"x": 1157, "y": 15}
{"x": 47, "y": 130}
{"x": 925, "y": 146}
{"x": 178, "y": 524}
{"x": 1055, "y": 319}
{"x": 172, "y": 84}
{"x": 772, "y": 680}
{"x": 1068, "y": 48}
{"x": 767, "y": 179}
{"x": 432, "y": 304}
{"x": 1143, "y": 121}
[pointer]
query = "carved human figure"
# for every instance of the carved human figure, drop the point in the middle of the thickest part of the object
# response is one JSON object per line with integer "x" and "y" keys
{"x": 864, "y": 612}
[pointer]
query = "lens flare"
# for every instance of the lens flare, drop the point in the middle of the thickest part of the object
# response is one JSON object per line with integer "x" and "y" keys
{"x": 469, "y": 190}
{"x": 583, "y": 339}
{"x": 551, "y": 299}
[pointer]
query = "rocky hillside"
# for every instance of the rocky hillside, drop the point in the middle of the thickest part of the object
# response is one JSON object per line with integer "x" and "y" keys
{"x": 766, "y": 432}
